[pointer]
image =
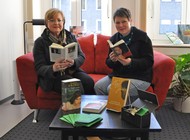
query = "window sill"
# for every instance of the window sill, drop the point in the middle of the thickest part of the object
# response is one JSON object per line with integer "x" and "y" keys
{"x": 170, "y": 49}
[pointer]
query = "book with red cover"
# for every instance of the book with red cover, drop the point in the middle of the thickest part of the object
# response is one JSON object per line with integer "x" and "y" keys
{"x": 95, "y": 107}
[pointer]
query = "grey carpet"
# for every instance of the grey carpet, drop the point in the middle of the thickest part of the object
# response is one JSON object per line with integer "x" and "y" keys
{"x": 175, "y": 126}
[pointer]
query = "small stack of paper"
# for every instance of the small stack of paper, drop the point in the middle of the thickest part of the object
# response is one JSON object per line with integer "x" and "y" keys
{"x": 78, "y": 120}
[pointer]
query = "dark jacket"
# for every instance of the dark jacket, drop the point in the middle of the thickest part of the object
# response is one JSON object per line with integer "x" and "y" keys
{"x": 142, "y": 57}
{"x": 43, "y": 66}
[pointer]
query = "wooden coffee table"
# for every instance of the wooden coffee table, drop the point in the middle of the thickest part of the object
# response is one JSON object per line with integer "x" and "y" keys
{"x": 110, "y": 126}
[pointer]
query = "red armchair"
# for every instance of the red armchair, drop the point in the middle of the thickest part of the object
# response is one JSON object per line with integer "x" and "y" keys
{"x": 95, "y": 66}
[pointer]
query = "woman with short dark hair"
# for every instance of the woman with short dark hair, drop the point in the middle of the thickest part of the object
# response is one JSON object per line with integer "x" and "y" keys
{"x": 138, "y": 66}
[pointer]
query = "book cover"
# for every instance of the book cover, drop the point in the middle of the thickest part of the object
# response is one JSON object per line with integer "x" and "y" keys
{"x": 79, "y": 120}
{"x": 118, "y": 94}
{"x": 184, "y": 33}
{"x": 56, "y": 51}
{"x": 71, "y": 94}
{"x": 125, "y": 51}
{"x": 174, "y": 38}
{"x": 95, "y": 106}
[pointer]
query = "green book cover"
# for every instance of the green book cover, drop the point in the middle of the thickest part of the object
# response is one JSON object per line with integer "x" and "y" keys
{"x": 71, "y": 94}
{"x": 79, "y": 120}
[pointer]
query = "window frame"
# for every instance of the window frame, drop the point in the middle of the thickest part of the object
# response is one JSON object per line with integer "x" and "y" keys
{"x": 84, "y": 24}
{"x": 98, "y": 2}
{"x": 85, "y": 5}
{"x": 98, "y": 22}
{"x": 153, "y": 18}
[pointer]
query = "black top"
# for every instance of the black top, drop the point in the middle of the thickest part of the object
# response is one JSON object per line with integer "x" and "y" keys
{"x": 142, "y": 56}
{"x": 43, "y": 65}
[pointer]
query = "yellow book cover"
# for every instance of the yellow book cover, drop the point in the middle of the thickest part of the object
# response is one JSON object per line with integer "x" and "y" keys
{"x": 118, "y": 94}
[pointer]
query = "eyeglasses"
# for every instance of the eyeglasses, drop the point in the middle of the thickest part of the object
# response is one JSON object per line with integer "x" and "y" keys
{"x": 54, "y": 21}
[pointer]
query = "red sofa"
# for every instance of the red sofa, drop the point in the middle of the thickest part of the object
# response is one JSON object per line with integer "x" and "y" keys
{"x": 95, "y": 66}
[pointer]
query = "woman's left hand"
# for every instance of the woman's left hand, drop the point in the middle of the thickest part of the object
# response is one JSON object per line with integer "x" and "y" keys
{"x": 70, "y": 62}
{"x": 124, "y": 61}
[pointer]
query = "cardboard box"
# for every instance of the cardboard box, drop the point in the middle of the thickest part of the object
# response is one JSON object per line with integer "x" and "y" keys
{"x": 147, "y": 100}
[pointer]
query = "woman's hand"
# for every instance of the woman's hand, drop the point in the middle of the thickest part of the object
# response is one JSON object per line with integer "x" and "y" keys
{"x": 113, "y": 56}
{"x": 124, "y": 61}
{"x": 70, "y": 62}
{"x": 60, "y": 65}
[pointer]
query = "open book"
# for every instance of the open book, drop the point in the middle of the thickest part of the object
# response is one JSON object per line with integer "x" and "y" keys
{"x": 122, "y": 45}
{"x": 57, "y": 51}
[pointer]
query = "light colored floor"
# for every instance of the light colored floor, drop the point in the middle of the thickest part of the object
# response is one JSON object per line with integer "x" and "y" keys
{"x": 11, "y": 115}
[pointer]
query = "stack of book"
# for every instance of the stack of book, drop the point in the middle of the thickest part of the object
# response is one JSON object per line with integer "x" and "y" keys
{"x": 79, "y": 120}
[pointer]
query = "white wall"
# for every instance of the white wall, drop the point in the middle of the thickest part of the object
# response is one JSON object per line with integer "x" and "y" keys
{"x": 38, "y": 9}
{"x": 11, "y": 38}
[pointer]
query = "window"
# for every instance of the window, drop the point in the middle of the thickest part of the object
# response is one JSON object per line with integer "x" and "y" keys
{"x": 90, "y": 11}
{"x": 98, "y": 4}
{"x": 81, "y": 13}
{"x": 83, "y": 24}
{"x": 83, "y": 4}
{"x": 98, "y": 26}
{"x": 164, "y": 16}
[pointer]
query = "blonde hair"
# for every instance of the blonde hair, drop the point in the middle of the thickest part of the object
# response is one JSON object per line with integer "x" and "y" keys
{"x": 51, "y": 13}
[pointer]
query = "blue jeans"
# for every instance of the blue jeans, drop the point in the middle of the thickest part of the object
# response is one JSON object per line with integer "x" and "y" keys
{"x": 102, "y": 86}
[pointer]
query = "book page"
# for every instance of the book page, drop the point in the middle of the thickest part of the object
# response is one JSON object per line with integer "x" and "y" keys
{"x": 71, "y": 51}
{"x": 116, "y": 44}
{"x": 56, "y": 51}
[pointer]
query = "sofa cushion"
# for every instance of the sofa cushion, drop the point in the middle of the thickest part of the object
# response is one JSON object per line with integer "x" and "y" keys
{"x": 87, "y": 46}
{"x": 97, "y": 77}
{"x": 26, "y": 62}
{"x": 101, "y": 53}
{"x": 163, "y": 70}
{"x": 48, "y": 95}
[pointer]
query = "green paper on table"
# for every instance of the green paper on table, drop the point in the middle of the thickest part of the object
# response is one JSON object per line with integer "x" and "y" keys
{"x": 142, "y": 111}
{"x": 79, "y": 120}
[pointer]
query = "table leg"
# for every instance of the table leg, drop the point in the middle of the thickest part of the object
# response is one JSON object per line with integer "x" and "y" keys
{"x": 145, "y": 136}
{"x": 133, "y": 138}
{"x": 75, "y": 137}
{"x": 63, "y": 137}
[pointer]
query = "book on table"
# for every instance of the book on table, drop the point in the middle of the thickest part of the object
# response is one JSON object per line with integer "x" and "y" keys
{"x": 56, "y": 51}
{"x": 95, "y": 106}
{"x": 71, "y": 94}
{"x": 126, "y": 52}
{"x": 82, "y": 120}
{"x": 118, "y": 94}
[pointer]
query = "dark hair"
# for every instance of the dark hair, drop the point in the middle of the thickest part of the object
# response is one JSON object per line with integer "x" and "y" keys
{"x": 76, "y": 95}
{"x": 122, "y": 12}
{"x": 124, "y": 84}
